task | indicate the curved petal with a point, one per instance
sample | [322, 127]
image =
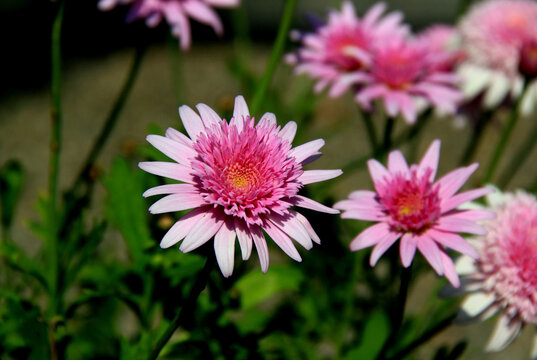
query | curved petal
[171, 189]
[299, 200]
[282, 240]
[224, 248]
[208, 115]
[431, 252]
[430, 160]
[313, 176]
[245, 238]
[304, 151]
[204, 14]
[370, 236]
[450, 183]
[289, 131]
[202, 231]
[449, 270]
[506, 330]
[261, 247]
[407, 248]
[382, 246]
[192, 122]
[240, 112]
[177, 202]
[172, 149]
[170, 170]
[397, 163]
[182, 227]
[453, 241]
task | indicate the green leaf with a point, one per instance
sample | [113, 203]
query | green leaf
[375, 333]
[11, 182]
[127, 209]
[256, 287]
[19, 261]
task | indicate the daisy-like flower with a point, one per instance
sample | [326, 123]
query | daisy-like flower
[241, 179]
[404, 73]
[493, 33]
[176, 13]
[408, 205]
[504, 278]
[338, 51]
[443, 44]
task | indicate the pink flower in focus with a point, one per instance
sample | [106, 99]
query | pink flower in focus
[408, 205]
[403, 72]
[176, 13]
[341, 49]
[504, 278]
[241, 179]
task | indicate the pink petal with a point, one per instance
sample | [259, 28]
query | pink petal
[307, 226]
[293, 228]
[208, 116]
[449, 270]
[430, 160]
[431, 252]
[245, 239]
[313, 176]
[223, 3]
[224, 248]
[364, 196]
[182, 227]
[463, 198]
[172, 149]
[170, 170]
[173, 134]
[370, 236]
[383, 245]
[378, 173]
[282, 240]
[261, 247]
[473, 215]
[192, 122]
[240, 111]
[364, 214]
[407, 248]
[453, 241]
[203, 231]
[267, 120]
[373, 14]
[450, 183]
[299, 200]
[358, 205]
[289, 131]
[397, 163]
[204, 14]
[171, 189]
[176, 202]
[454, 224]
[303, 151]
[179, 22]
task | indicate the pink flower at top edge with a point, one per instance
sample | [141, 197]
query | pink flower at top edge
[504, 278]
[176, 13]
[340, 50]
[409, 206]
[240, 179]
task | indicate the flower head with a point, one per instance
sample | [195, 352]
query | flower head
[176, 13]
[443, 44]
[408, 205]
[339, 50]
[504, 278]
[240, 178]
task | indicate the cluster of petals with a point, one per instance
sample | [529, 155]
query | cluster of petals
[422, 214]
[493, 34]
[240, 179]
[378, 58]
[175, 12]
[504, 277]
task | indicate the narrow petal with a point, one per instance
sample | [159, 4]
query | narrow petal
[282, 241]
[204, 14]
[378, 173]
[173, 134]
[454, 224]
[382, 246]
[449, 270]
[191, 121]
[430, 160]
[504, 333]
[450, 183]
[407, 248]
[299, 200]
[474, 305]
[182, 227]
[208, 115]
[313, 176]
[170, 170]
[361, 195]
[202, 231]
[364, 204]
[370, 236]
[224, 248]
[307, 226]
[172, 149]
[245, 238]
[473, 215]
[289, 131]
[304, 151]
[267, 120]
[431, 252]
[176, 202]
[364, 214]
[240, 112]
[464, 197]
[171, 189]
[223, 3]
[293, 228]
[261, 247]
[453, 241]
[397, 163]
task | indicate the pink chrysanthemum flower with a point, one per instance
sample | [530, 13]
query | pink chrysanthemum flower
[176, 13]
[493, 33]
[504, 278]
[408, 205]
[338, 51]
[241, 179]
[404, 72]
[443, 44]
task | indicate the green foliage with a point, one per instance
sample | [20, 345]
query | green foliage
[375, 333]
[11, 183]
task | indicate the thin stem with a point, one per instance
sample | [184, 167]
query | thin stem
[277, 52]
[504, 138]
[426, 336]
[370, 129]
[475, 138]
[176, 64]
[387, 142]
[187, 307]
[520, 157]
[397, 317]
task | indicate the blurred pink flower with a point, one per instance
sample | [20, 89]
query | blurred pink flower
[404, 72]
[493, 33]
[504, 278]
[443, 43]
[241, 179]
[339, 50]
[176, 13]
[407, 204]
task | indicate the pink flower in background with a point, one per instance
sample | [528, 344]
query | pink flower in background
[423, 214]
[493, 33]
[241, 179]
[443, 43]
[176, 13]
[404, 72]
[504, 278]
[339, 51]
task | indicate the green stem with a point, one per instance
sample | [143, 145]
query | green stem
[187, 307]
[397, 317]
[176, 65]
[426, 336]
[387, 142]
[475, 138]
[520, 157]
[277, 52]
[371, 133]
[507, 131]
